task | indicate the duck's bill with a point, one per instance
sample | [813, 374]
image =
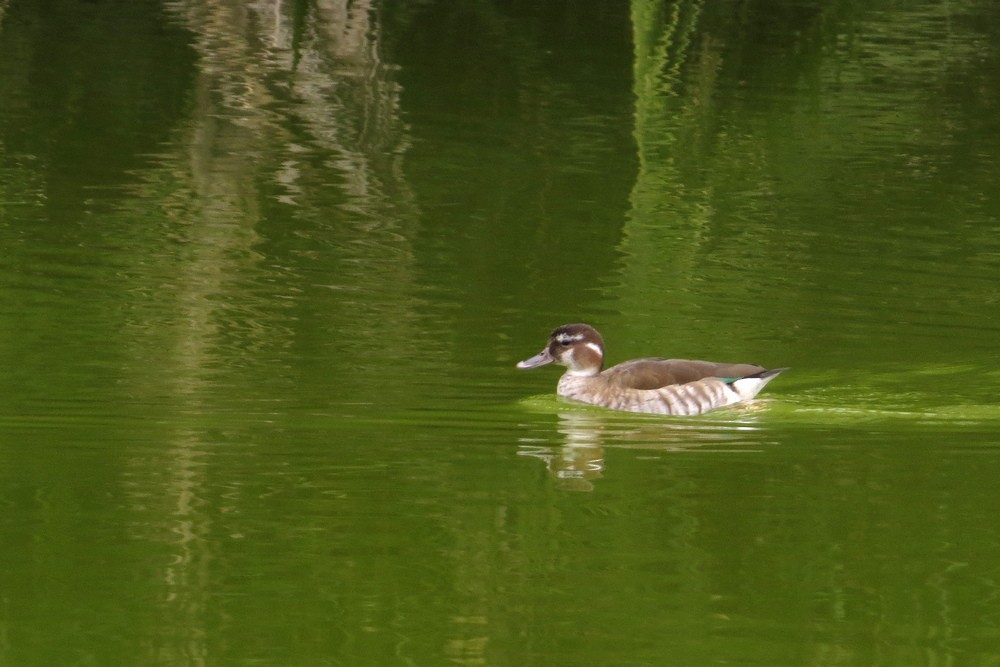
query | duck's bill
[539, 359]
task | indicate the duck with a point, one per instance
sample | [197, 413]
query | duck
[680, 387]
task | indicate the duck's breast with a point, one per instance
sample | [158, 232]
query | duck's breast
[685, 399]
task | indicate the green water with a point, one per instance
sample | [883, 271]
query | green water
[266, 269]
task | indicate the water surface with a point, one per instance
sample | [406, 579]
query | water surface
[267, 270]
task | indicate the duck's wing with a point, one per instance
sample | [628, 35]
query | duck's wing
[656, 373]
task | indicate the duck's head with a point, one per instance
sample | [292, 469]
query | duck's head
[578, 347]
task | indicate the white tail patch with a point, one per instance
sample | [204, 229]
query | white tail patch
[749, 387]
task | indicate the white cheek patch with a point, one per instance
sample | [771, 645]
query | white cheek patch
[595, 347]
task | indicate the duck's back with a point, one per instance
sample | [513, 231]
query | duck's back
[655, 373]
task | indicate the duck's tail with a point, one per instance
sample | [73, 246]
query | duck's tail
[749, 386]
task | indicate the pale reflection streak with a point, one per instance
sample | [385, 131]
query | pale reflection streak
[580, 460]
[665, 227]
[251, 62]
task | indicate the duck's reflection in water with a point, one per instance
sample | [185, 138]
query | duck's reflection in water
[580, 460]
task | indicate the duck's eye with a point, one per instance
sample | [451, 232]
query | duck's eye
[565, 339]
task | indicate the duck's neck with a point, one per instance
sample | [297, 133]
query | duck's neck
[585, 360]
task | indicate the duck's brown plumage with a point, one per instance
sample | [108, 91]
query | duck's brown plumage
[654, 373]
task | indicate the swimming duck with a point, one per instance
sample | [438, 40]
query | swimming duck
[659, 386]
